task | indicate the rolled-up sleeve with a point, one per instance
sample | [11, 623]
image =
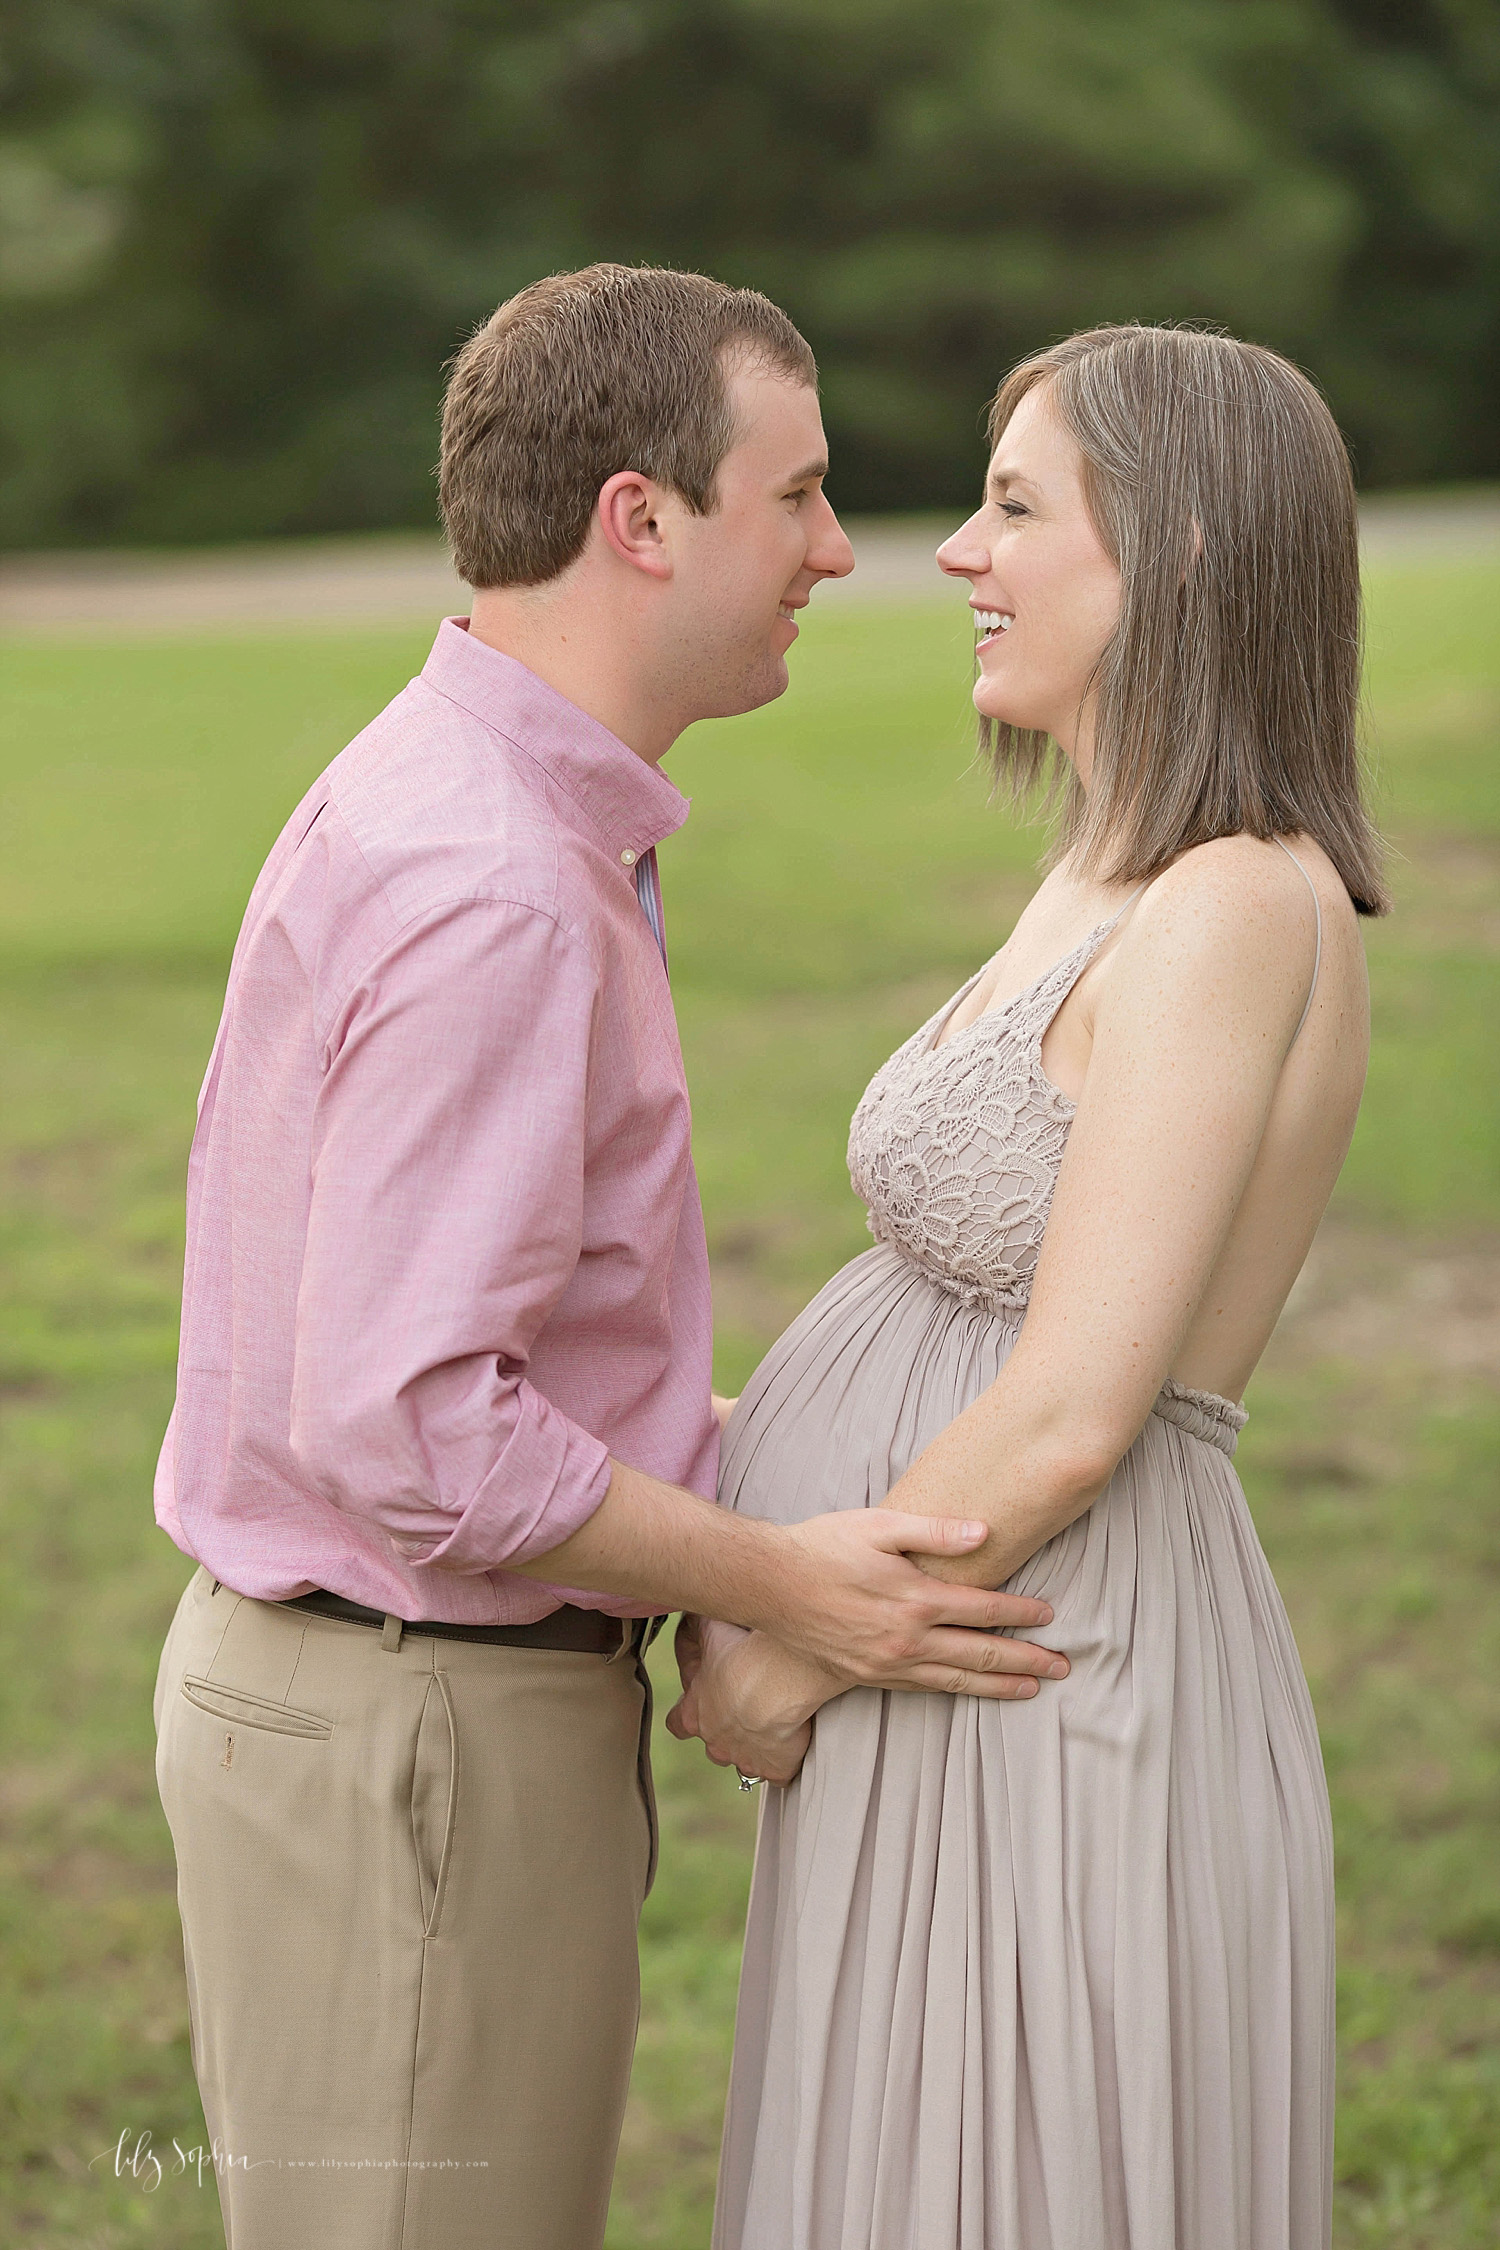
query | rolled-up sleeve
[446, 1182]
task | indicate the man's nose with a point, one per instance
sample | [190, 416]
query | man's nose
[830, 553]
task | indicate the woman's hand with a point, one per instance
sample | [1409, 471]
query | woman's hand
[747, 1699]
[687, 1647]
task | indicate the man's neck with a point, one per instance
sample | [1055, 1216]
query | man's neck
[572, 655]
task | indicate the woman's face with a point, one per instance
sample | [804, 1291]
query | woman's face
[1046, 596]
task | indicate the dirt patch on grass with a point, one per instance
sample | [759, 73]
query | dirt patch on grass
[389, 578]
[1370, 1296]
[1447, 890]
[1374, 1296]
[750, 1298]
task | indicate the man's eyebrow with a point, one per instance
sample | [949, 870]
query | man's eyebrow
[818, 468]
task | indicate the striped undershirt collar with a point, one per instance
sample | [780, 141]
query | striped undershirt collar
[648, 891]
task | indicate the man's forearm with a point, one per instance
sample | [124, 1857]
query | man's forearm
[841, 1589]
[664, 1545]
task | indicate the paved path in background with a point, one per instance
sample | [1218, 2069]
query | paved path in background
[404, 578]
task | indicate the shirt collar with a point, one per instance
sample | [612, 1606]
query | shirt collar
[632, 804]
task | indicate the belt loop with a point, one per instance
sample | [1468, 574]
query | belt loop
[636, 1636]
[630, 1639]
[390, 1637]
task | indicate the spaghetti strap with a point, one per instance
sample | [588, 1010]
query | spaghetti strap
[1138, 893]
[935, 1035]
[1318, 945]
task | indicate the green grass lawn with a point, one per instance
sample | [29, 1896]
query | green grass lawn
[841, 873]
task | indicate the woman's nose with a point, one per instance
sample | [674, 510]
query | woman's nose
[965, 555]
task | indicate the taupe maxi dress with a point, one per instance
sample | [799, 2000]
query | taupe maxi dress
[1050, 1975]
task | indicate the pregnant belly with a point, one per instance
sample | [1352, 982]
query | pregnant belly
[865, 1378]
[883, 1360]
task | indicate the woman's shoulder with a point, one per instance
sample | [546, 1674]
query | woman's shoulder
[1263, 885]
[1239, 910]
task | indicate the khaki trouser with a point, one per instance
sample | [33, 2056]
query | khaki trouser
[409, 1880]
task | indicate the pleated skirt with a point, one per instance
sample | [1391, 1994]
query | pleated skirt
[1052, 1975]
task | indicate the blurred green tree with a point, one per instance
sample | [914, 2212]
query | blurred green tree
[238, 238]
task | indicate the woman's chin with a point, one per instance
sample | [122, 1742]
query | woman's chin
[992, 703]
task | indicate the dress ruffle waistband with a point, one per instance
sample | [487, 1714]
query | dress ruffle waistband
[1203, 1414]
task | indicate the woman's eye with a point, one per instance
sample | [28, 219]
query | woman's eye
[1013, 509]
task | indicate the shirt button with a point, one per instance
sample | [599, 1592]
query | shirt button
[627, 859]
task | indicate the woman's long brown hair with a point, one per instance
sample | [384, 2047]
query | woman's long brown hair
[1226, 700]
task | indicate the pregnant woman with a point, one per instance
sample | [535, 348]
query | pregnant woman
[1055, 1971]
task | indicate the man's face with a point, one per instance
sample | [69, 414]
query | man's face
[741, 572]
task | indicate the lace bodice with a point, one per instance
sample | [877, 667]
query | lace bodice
[955, 1152]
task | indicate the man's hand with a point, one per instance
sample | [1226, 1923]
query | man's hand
[858, 1607]
[751, 1699]
[842, 1590]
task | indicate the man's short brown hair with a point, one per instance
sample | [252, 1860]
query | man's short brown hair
[577, 377]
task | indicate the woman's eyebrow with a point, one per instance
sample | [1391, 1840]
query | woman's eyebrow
[1001, 480]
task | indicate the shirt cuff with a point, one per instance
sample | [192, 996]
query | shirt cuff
[547, 1482]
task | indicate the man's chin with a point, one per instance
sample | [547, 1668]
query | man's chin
[763, 686]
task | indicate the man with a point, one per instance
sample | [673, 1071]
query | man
[443, 1417]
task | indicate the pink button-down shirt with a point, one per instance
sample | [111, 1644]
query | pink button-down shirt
[445, 1252]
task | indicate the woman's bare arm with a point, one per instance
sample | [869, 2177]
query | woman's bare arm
[1191, 1031]
[1190, 1036]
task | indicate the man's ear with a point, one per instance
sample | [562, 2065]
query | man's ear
[629, 516]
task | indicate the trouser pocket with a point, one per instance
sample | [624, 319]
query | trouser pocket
[434, 1798]
[248, 1710]
[643, 1768]
[196, 1629]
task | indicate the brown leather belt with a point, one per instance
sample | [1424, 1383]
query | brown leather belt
[588, 1631]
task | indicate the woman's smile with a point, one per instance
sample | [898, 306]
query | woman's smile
[990, 624]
